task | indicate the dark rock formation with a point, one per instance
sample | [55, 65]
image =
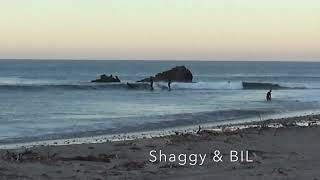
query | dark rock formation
[176, 74]
[106, 79]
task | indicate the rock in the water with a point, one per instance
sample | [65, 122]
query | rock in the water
[104, 78]
[177, 74]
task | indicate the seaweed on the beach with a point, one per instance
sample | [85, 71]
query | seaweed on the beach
[100, 158]
[26, 155]
[29, 156]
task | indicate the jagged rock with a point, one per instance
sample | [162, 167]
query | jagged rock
[104, 78]
[177, 74]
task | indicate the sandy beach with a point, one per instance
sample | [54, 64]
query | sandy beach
[285, 148]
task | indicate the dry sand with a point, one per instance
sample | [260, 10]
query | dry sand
[289, 150]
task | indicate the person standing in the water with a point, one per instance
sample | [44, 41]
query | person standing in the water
[151, 83]
[268, 96]
[169, 84]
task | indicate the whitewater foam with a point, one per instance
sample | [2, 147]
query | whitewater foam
[208, 85]
[35, 84]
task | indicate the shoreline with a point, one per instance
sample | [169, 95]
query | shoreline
[271, 145]
[216, 126]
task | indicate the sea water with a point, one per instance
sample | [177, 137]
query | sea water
[52, 99]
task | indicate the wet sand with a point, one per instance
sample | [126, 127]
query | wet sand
[287, 148]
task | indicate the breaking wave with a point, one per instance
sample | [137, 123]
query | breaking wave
[19, 84]
[235, 85]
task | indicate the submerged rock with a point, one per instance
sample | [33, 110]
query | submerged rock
[177, 74]
[104, 78]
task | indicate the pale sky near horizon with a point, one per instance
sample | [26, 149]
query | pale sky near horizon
[160, 29]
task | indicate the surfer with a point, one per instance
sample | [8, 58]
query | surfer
[268, 96]
[151, 83]
[169, 84]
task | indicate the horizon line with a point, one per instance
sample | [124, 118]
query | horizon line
[191, 60]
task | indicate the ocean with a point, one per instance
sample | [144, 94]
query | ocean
[54, 99]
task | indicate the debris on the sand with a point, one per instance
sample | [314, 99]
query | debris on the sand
[99, 158]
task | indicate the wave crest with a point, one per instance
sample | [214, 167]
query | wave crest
[13, 84]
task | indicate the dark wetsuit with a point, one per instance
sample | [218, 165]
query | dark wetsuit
[268, 96]
[151, 83]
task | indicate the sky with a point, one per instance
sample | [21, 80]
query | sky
[160, 29]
